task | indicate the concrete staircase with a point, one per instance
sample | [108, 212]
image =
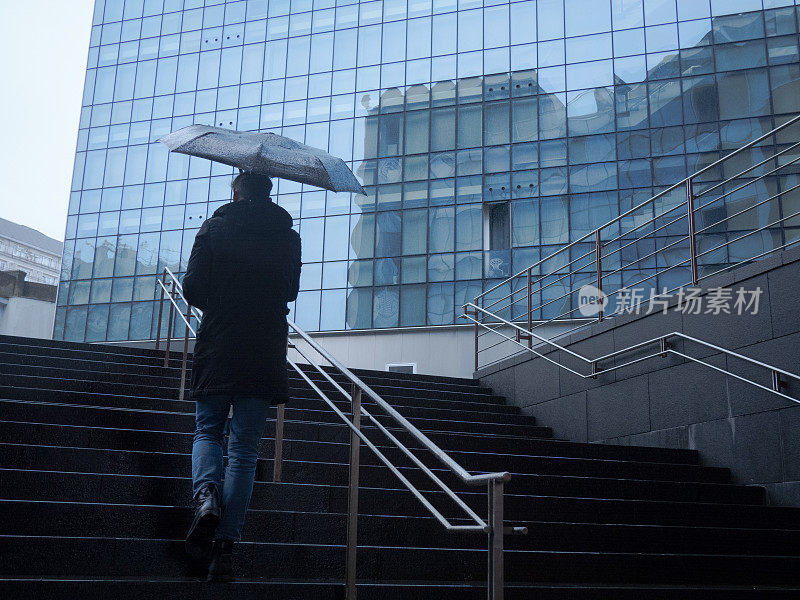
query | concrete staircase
[94, 488]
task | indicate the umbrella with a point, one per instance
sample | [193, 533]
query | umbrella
[266, 153]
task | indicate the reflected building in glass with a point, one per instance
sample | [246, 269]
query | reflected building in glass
[488, 134]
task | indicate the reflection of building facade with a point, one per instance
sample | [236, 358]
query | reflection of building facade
[486, 137]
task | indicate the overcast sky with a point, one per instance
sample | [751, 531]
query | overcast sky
[43, 50]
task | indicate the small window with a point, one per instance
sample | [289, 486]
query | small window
[497, 226]
[401, 367]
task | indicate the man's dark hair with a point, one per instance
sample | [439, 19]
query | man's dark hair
[252, 186]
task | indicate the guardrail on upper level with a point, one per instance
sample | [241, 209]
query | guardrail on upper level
[657, 246]
[172, 290]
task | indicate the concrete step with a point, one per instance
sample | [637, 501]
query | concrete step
[320, 447]
[94, 464]
[167, 387]
[70, 519]
[115, 557]
[302, 396]
[258, 589]
[172, 374]
[141, 356]
[176, 491]
[126, 418]
[91, 460]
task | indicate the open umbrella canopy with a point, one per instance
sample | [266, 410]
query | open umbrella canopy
[266, 153]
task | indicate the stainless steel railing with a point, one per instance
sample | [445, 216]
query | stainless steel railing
[657, 243]
[171, 290]
[778, 378]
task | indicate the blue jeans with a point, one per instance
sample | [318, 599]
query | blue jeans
[247, 427]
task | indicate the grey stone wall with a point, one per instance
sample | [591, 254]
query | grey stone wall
[675, 402]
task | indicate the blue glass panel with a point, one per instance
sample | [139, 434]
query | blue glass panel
[97, 323]
[627, 13]
[743, 94]
[307, 310]
[469, 227]
[780, 21]
[386, 307]
[588, 16]
[445, 26]
[589, 47]
[333, 310]
[693, 9]
[105, 252]
[412, 305]
[785, 84]
[694, 33]
[83, 261]
[311, 232]
[75, 327]
[311, 276]
[336, 238]
[441, 229]
[591, 74]
[440, 303]
[359, 308]
[387, 234]
[741, 55]
[660, 38]
[523, 22]
[660, 11]
[141, 321]
[738, 27]
[441, 267]
[782, 50]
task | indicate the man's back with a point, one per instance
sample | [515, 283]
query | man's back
[244, 269]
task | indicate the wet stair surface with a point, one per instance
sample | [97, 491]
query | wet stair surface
[94, 489]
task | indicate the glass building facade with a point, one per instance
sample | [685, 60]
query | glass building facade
[487, 133]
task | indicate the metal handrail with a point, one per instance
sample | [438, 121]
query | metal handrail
[661, 194]
[540, 276]
[664, 349]
[492, 526]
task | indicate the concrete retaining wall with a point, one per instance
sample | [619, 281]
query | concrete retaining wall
[673, 402]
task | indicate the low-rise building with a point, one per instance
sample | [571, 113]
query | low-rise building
[31, 251]
[27, 308]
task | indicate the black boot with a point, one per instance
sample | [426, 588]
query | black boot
[221, 568]
[206, 517]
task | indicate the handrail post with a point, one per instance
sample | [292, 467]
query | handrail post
[277, 463]
[352, 498]
[185, 351]
[169, 324]
[692, 237]
[495, 581]
[530, 305]
[598, 249]
[777, 384]
[160, 308]
[477, 327]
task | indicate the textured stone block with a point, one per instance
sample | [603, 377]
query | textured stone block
[618, 409]
[686, 394]
[566, 416]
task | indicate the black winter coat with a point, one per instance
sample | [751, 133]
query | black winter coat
[243, 270]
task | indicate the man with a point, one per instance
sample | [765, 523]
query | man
[243, 270]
